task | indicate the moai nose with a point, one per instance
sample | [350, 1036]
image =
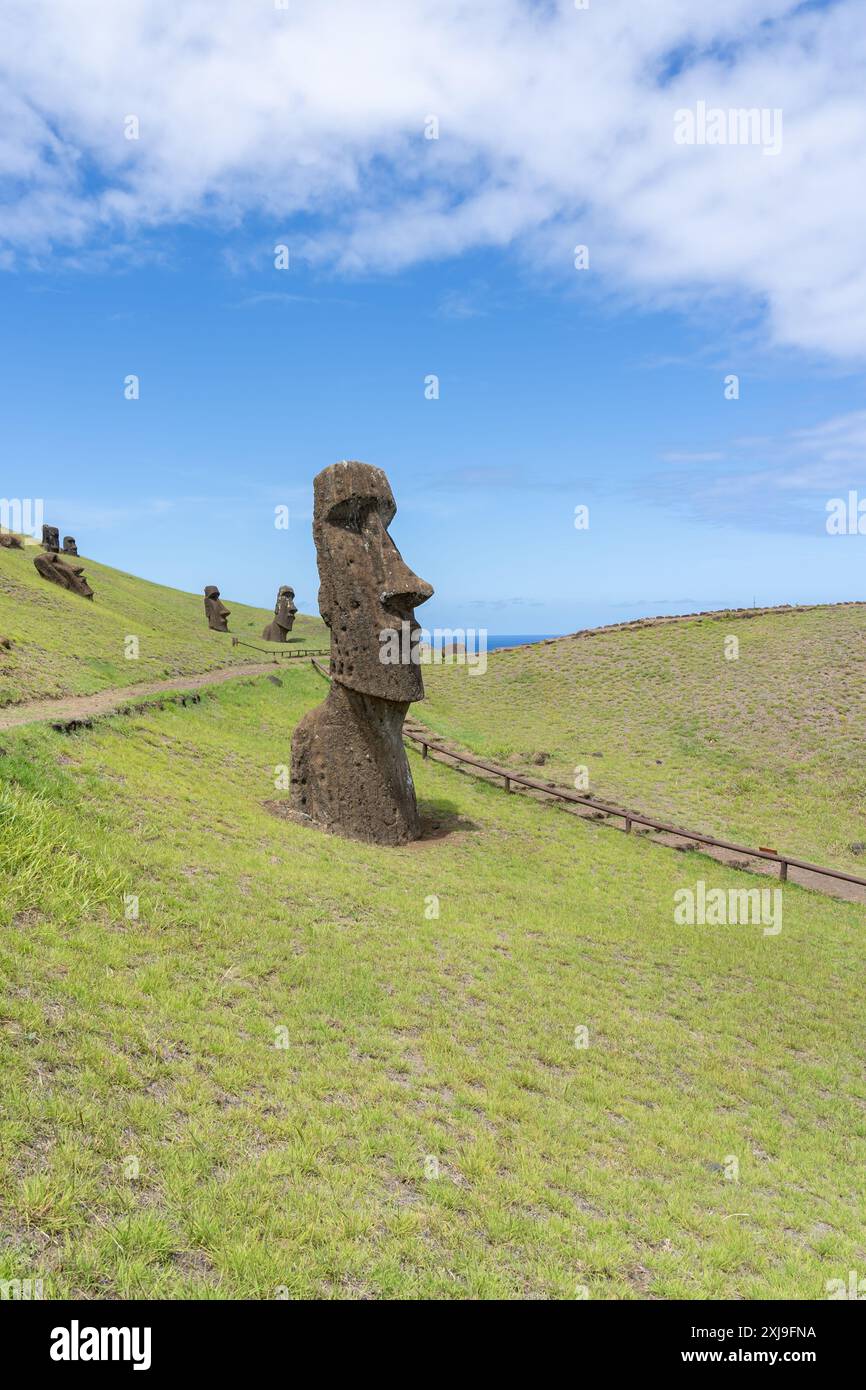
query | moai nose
[403, 585]
[400, 584]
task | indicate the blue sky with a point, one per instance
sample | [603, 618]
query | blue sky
[558, 387]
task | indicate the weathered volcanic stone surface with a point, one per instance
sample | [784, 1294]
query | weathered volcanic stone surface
[217, 613]
[71, 577]
[284, 616]
[350, 773]
[51, 539]
[69, 546]
[10, 541]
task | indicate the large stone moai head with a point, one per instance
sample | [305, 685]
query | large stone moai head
[51, 539]
[366, 588]
[217, 613]
[283, 620]
[71, 577]
[285, 609]
[69, 546]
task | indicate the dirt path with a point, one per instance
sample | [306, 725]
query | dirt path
[104, 701]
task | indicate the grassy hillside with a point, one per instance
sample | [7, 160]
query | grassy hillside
[66, 645]
[288, 1076]
[769, 748]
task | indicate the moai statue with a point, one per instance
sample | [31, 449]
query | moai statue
[217, 613]
[284, 616]
[10, 541]
[69, 546]
[71, 577]
[350, 773]
[51, 539]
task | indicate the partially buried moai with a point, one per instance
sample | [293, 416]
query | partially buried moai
[217, 613]
[50, 539]
[284, 616]
[69, 545]
[350, 773]
[71, 577]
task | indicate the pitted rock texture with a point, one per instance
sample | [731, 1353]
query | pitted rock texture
[71, 577]
[217, 613]
[350, 773]
[284, 616]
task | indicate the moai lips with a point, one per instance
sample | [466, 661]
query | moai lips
[284, 616]
[350, 773]
[217, 613]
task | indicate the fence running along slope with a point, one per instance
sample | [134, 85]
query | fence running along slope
[510, 779]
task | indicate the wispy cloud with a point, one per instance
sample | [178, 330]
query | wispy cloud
[470, 303]
[279, 297]
[767, 484]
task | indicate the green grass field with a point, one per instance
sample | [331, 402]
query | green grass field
[289, 1077]
[769, 749]
[66, 645]
[241, 1059]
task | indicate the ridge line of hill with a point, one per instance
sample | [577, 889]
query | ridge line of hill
[664, 620]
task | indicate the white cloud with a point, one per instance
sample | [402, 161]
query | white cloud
[556, 127]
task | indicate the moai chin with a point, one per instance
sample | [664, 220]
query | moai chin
[217, 613]
[51, 539]
[69, 545]
[350, 773]
[284, 616]
[70, 577]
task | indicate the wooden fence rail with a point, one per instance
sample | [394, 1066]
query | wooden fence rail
[269, 651]
[629, 817]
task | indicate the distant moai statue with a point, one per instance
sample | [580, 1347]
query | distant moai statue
[69, 546]
[71, 577]
[217, 613]
[350, 773]
[284, 616]
[51, 539]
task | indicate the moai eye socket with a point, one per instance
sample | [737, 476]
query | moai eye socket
[352, 514]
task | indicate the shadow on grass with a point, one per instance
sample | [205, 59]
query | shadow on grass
[440, 819]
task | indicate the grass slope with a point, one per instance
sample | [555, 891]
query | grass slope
[249, 1090]
[769, 749]
[66, 645]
